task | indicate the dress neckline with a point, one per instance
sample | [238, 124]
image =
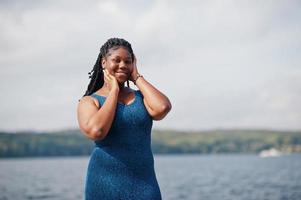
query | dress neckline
[120, 103]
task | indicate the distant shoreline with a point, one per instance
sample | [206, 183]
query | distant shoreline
[72, 142]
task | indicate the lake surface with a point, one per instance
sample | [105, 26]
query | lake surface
[210, 177]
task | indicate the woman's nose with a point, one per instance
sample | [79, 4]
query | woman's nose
[122, 65]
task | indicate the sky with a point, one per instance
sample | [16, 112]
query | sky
[223, 64]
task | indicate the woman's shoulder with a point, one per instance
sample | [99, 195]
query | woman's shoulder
[89, 100]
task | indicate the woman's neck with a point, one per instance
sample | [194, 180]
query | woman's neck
[121, 88]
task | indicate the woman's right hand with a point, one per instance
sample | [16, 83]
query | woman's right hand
[110, 81]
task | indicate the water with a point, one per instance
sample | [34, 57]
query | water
[246, 177]
[210, 177]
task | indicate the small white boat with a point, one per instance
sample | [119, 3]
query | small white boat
[270, 153]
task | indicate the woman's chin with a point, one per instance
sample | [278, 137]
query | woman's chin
[121, 80]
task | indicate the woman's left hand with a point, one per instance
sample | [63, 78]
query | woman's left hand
[135, 70]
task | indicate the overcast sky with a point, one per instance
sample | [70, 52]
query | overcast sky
[223, 64]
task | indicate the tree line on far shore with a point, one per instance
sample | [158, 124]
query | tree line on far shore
[74, 143]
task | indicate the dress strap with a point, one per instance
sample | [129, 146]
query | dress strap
[138, 92]
[99, 98]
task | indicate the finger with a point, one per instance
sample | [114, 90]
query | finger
[111, 76]
[105, 71]
[106, 77]
[106, 80]
[107, 74]
[135, 62]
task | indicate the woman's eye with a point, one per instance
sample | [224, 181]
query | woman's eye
[116, 60]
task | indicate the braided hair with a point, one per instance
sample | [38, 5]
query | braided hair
[96, 74]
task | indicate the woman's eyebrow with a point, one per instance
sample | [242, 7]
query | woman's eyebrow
[116, 56]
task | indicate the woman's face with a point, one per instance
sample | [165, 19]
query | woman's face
[119, 63]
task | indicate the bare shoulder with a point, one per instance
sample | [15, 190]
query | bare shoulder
[88, 101]
[87, 107]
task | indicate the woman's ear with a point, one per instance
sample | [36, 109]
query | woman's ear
[103, 62]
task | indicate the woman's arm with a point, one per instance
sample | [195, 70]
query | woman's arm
[96, 122]
[156, 103]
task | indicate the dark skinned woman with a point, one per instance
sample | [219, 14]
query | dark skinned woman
[119, 120]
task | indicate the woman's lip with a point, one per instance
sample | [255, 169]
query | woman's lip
[121, 73]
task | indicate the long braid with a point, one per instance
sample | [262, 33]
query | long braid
[96, 74]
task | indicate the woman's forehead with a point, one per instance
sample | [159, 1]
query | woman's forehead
[118, 51]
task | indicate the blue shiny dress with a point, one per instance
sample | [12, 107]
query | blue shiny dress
[121, 166]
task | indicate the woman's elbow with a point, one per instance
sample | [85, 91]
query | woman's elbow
[166, 108]
[94, 133]
[97, 133]
[162, 112]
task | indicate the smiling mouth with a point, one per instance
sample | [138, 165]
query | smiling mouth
[122, 73]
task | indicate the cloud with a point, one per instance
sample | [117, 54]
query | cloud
[222, 64]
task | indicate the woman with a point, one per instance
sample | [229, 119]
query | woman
[119, 120]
